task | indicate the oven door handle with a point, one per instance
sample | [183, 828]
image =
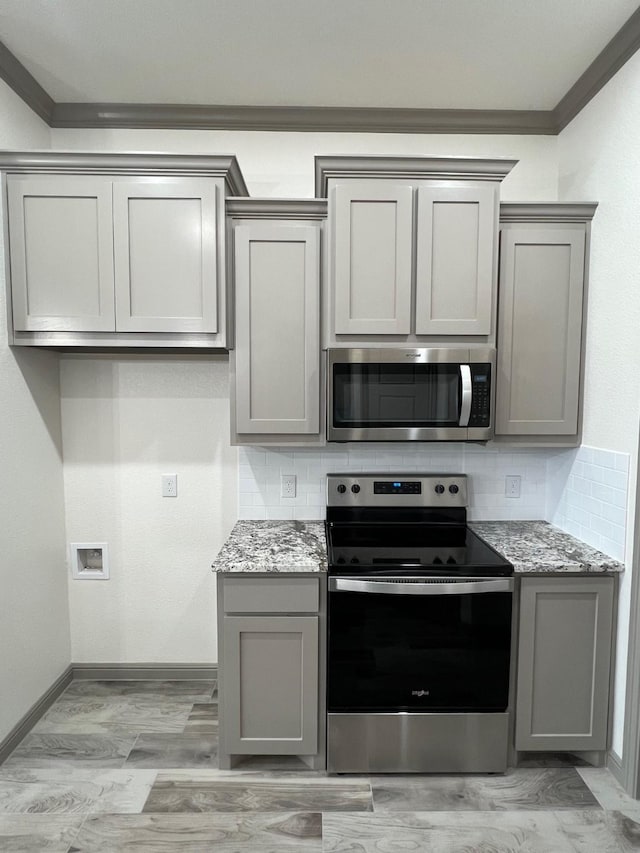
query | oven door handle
[467, 394]
[441, 586]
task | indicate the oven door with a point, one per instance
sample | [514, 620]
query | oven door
[419, 644]
[408, 394]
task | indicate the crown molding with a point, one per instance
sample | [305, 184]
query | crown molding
[610, 60]
[547, 211]
[302, 119]
[278, 208]
[24, 84]
[78, 163]
[415, 168]
[326, 119]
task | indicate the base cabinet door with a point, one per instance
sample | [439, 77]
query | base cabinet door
[563, 663]
[270, 696]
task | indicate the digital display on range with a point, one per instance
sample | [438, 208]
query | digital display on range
[397, 487]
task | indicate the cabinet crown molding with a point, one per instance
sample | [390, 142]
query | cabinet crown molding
[416, 168]
[546, 211]
[79, 163]
[276, 208]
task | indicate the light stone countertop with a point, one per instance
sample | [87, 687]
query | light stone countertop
[537, 546]
[274, 546]
[299, 546]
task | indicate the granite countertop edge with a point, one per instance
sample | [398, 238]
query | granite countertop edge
[533, 547]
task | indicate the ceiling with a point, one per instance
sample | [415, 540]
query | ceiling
[426, 54]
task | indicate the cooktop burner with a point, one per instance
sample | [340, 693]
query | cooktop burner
[381, 524]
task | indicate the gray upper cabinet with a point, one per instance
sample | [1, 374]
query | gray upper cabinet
[372, 245]
[455, 265]
[540, 327]
[564, 658]
[276, 361]
[118, 250]
[413, 248]
[166, 269]
[61, 253]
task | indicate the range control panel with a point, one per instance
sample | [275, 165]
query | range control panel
[382, 489]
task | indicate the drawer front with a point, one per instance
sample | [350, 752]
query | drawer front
[272, 594]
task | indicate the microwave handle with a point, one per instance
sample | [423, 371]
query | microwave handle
[467, 392]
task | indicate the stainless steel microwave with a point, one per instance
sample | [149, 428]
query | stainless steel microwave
[410, 394]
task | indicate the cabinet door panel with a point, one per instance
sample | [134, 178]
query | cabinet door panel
[454, 267]
[61, 253]
[563, 663]
[270, 691]
[165, 256]
[372, 241]
[540, 331]
[277, 328]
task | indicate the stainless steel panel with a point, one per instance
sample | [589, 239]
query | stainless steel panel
[365, 496]
[419, 355]
[417, 743]
[421, 586]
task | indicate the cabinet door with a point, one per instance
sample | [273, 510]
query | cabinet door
[539, 331]
[457, 233]
[166, 256]
[277, 269]
[372, 240]
[563, 663]
[270, 694]
[61, 254]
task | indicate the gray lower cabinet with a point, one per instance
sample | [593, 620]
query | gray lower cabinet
[276, 364]
[269, 666]
[542, 290]
[564, 659]
[130, 255]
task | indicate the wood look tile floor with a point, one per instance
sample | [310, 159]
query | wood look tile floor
[131, 766]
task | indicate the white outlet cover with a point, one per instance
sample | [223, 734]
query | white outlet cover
[288, 485]
[89, 560]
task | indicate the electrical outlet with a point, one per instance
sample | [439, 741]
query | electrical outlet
[512, 486]
[287, 485]
[169, 485]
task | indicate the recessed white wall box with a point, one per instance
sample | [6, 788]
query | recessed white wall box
[89, 560]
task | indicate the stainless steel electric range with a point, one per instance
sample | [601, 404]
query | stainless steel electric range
[419, 629]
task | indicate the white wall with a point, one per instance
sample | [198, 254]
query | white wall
[598, 160]
[126, 421]
[281, 165]
[34, 619]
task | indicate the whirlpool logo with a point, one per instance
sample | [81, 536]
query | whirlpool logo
[419, 692]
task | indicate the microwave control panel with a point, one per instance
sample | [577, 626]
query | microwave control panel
[480, 415]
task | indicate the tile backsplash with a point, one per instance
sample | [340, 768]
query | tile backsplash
[260, 470]
[582, 491]
[592, 503]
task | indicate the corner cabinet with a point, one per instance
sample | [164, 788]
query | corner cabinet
[270, 636]
[564, 663]
[131, 255]
[275, 364]
[542, 304]
[412, 248]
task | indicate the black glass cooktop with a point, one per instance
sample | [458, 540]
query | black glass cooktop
[410, 549]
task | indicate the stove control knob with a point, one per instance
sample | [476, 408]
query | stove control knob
[454, 489]
[355, 560]
[342, 488]
[439, 489]
[355, 488]
[341, 560]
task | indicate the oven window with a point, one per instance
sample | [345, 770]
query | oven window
[392, 653]
[396, 395]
